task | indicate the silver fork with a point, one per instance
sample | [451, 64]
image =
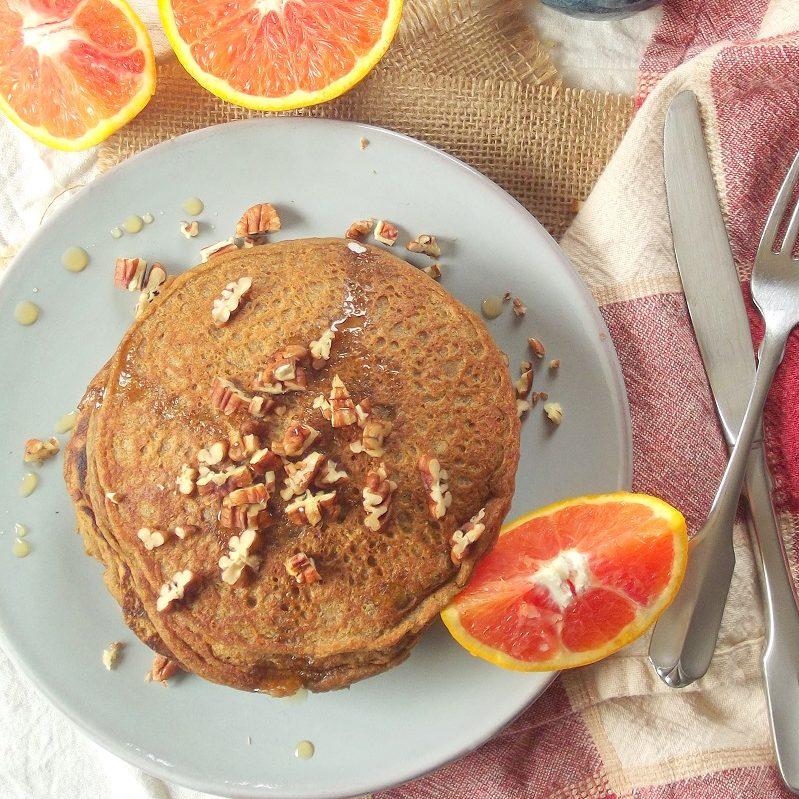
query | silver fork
[775, 291]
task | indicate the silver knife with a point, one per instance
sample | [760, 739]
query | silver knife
[685, 637]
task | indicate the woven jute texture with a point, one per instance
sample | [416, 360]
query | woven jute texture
[468, 77]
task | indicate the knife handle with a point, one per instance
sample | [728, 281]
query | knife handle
[684, 638]
[781, 609]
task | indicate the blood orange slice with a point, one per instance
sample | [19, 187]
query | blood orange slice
[572, 583]
[274, 55]
[73, 71]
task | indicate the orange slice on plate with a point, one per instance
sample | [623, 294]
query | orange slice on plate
[572, 583]
[274, 55]
[73, 71]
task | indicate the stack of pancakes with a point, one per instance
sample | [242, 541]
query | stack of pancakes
[430, 372]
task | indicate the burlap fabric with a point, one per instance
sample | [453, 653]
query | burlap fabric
[468, 77]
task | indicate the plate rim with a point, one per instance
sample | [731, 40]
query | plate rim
[246, 790]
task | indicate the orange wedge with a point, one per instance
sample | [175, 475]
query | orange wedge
[73, 71]
[274, 55]
[572, 583]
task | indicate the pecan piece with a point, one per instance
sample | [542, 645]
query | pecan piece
[129, 273]
[156, 281]
[525, 382]
[302, 568]
[312, 508]
[425, 243]
[386, 232]
[359, 229]
[320, 349]
[249, 495]
[435, 482]
[296, 440]
[301, 475]
[162, 669]
[465, 536]
[190, 229]
[377, 498]
[373, 436]
[185, 480]
[38, 451]
[228, 302]
[175, 589]
[257, 220]
[238, 557]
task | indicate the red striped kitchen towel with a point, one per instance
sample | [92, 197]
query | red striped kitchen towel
[612, 730]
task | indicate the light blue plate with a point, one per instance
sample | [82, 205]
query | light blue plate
[55, 614]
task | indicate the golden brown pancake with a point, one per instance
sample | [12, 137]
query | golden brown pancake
[425, 363]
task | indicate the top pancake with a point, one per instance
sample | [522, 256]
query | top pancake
[424, 361]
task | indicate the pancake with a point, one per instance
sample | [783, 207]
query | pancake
[415, 361]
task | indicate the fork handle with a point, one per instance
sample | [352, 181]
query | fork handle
[780, 663]
[725, 504]
[684, 637]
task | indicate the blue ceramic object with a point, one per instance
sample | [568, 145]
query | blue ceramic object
[600, 9]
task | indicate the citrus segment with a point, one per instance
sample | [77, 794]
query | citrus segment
[274, 55]
[571, 583]
[73, 71]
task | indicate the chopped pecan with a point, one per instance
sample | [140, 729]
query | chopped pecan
[338, 409]
[554, 412]
[230, 299]
[228, 398]
[296, 440]
[244, 517]
[554, 364]
[186, 531]
[129, 273]
[260, 406]
[174, 589]
[213, 454]
[264, 460]
[386, 232]
[359, 229]
[465, 536]
[373, 436]
[329, 475]
[185, 479]
[519, 308]
[111, 654]
[257, 220]
[434, 271]
[238, 557]
[312, 508]
[190, 229]
[320, 349]
[242, 447]
[536, 347]
[162, 669]
[285, 371]
[302, 568]
[525, 382]
[227, 245]
[151, 538]
[435, 479]
[301, 475]
[38, 451]
[377, 498]
[156, 282]
[249, 495]
[425, 243]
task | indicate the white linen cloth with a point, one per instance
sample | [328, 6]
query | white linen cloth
[42, 755]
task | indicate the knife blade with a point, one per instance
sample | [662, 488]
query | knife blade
[718, 314]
